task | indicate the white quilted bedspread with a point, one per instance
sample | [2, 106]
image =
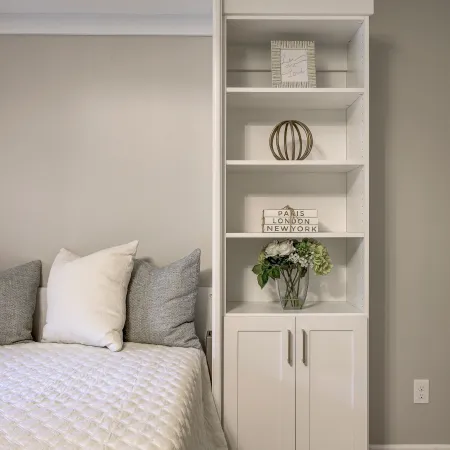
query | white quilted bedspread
[60, 396]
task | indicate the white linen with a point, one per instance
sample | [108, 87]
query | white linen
[87, 297]
[59, 396]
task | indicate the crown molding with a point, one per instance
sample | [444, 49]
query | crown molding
[141, 7]
[106, 24]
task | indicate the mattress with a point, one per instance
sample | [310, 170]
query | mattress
[61, 396]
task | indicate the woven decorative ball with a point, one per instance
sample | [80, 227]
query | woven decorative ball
[293, 138]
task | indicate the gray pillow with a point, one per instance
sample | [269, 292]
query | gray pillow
[161, 303]
[18, 292]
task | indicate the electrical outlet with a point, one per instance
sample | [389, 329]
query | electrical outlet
[421, 391]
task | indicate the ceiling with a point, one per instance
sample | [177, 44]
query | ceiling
[138, 7]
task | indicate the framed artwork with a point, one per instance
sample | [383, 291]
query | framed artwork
[293, 64]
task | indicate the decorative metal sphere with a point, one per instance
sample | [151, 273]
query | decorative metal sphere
[294, 129]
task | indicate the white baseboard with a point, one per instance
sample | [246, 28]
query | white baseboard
[411, 447]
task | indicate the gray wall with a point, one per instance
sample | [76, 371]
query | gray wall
[410, 220]
[104, 140]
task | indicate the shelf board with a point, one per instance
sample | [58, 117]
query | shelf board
[245, 166]
[294, 235]
[274, 308]
[299, 98]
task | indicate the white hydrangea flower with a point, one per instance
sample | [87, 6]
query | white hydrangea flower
[294, 258]
[303, 262]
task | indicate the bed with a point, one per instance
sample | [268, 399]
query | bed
[69, 396]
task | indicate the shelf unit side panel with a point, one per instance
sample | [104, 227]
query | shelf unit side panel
[356, 204]
[356, 128]
[367, 167]
[356, 273]
[358, 180]
[356, 59]
[224, 153]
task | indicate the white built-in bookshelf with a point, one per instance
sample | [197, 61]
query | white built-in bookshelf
[334, 179]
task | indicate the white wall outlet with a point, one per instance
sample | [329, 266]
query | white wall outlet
[421, 391]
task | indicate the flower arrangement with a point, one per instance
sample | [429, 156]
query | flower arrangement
[290, 262]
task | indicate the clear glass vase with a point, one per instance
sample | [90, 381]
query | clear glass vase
[292, 288]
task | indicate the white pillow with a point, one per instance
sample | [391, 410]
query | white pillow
[86, 297]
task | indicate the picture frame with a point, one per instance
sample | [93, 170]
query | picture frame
[293, 64]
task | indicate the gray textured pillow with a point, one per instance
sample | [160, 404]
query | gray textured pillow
[18, 292]
[161, 303]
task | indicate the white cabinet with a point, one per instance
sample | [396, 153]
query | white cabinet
[259, 383]
[295, 382]
[331, 383]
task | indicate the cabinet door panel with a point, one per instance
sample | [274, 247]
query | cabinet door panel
[259, 383]
[332, 387]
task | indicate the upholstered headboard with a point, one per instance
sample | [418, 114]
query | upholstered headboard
[202, 313]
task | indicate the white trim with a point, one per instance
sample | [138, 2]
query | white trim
[411, 447]
[217, 208]
[106, 24]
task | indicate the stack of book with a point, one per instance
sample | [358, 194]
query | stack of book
[290, 221]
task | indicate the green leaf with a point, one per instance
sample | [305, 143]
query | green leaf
[261, 281]
[261, 257]
[265, 277]
[275, 273]
[257, 269]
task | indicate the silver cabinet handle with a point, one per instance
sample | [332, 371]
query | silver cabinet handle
[305, 347]
[288, 338]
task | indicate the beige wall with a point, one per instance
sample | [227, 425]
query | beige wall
[410, 222]
[104, 140]
[109, 130]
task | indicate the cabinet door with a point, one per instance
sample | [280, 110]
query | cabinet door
[259, 383]
[331, 383]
